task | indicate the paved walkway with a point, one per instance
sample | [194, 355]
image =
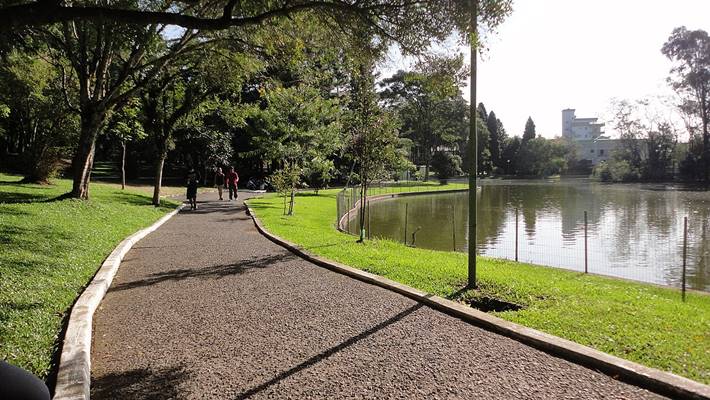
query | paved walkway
[206, 307]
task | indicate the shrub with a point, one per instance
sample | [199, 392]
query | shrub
[446, 165]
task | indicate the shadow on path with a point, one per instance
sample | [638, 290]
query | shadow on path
[140, 384]
[327, 353]
[214, 271]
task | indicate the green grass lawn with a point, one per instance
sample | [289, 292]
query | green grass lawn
[50, 250]
[643, 323]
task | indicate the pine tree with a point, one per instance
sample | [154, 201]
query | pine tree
[494, 138]
[482, 113]
[529, 130]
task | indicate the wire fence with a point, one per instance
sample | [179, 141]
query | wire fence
[676, 254]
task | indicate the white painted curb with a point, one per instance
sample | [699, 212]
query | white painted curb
[74, 376]
[664, 383]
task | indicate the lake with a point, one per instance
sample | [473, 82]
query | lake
[634, 231]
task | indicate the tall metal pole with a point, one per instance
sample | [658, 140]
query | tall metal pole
[472, 149]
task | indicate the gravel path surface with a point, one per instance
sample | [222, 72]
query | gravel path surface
[206, 307]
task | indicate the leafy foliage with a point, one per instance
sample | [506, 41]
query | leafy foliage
[690, 77]
[446, 165]
[429, 104]
[36, 123]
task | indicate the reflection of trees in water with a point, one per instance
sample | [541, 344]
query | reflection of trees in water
[661, 212]
[636, 230]
[622, 213]
[698, 261]
[492, 213]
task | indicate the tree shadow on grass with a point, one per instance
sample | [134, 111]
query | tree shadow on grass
[133, 198]
[328, 353]
[139, 384]
[210, 272]
[14, 238]
[25, 198]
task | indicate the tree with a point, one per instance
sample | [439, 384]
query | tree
[297, 126]
[427, 102]
[446, 165]
[648, 141]
[179, 95]
[542, 157]
[529, 130]
[284, 181]
[494, 132]
[126, 126]
[374, 135]
[482, 113]
[37, 126]
[661, 144]
[412, 23]
[690, 77]
[511, 153]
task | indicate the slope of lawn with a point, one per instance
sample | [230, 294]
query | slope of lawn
[643, 323]
[50, 249]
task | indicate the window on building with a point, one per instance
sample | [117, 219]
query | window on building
[601, 152]
[591, 151]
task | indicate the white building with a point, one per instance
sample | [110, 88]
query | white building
[588, 135]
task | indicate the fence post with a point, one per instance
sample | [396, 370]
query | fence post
[453, 225]
[586, 261]
[406, 211]
[348, 225]
[685, 250]
[516, 235]
[369, 227]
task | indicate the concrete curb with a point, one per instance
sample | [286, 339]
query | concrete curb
[74, 375]
[655, 380]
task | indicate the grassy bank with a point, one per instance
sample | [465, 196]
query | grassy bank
[638, 322]
[50, 250]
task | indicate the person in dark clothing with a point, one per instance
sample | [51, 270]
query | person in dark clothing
[232, 181]
[18, 384]
[192, 180]
[219, 181]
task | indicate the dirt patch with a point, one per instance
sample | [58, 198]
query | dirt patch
[490, 304]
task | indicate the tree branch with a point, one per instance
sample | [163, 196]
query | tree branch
[41, 13]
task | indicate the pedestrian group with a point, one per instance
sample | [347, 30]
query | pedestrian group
[222, 181]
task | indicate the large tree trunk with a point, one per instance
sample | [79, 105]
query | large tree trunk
[91, 121]
[123, 164]
[158, 178]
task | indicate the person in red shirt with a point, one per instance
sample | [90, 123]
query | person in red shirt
[231, 181]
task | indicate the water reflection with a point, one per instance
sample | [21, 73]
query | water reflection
[634, 231]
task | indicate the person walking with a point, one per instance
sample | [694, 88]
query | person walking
[232, 181]
[219, 181]
[192, 180]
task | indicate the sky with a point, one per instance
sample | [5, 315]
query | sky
[555, 54]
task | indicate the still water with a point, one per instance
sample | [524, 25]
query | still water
[633, 231]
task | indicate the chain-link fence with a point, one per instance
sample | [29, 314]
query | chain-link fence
[666, 250]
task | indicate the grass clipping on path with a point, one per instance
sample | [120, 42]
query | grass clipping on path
[50, 251]
[638, 322]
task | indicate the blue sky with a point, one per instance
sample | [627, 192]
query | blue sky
[555, 54]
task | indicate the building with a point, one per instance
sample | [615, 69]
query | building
[588, 136]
